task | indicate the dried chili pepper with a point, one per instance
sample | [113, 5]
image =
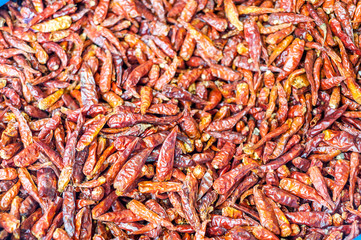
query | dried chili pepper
[124, 119]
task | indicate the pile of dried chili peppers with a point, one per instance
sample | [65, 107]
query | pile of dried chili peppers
[180, 119]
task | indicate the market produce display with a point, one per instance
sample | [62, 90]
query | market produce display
[180, 119]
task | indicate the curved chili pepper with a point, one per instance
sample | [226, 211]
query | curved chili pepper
[130, 170]
[25, 131]
[91, 133]
[302, 190]
[188, 197]
[290, 155]
[27, 156]
[222, 158]
[267, 215]
[293, 58]
[69, 156]
[166, 157]
[312, 219]
[178, 93]
[285, 226]
[346, 39]
[319, 183]
[211, 51]
[227, 223]
[324, 123]
[261, 233]
[226, 181]
[139, 209]
[280, 196]
[342, 172]
[232, 14]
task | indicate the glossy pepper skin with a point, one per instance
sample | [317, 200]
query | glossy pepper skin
[199, 119]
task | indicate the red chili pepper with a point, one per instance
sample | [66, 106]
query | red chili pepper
[211, 122]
